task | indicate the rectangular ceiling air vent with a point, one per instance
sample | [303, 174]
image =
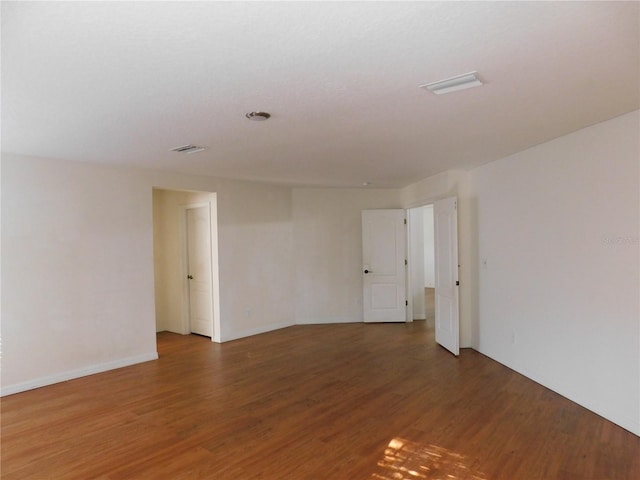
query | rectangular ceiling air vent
[453, 84]
[188, 149]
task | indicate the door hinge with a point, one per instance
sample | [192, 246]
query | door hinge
[405, 262]
[405, 221]
[457, 283]
[406, 302]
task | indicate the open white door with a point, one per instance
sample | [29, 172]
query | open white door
[383, 265]
[445, 215]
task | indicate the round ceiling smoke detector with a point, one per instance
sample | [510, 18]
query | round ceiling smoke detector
[258, 116]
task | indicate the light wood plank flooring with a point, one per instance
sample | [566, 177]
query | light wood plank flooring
[310, 402]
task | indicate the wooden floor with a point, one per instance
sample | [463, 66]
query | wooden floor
[349, 401]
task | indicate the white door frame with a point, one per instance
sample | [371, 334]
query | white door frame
[211, 206]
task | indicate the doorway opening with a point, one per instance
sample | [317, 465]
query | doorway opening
[185, 239]
[422, 264]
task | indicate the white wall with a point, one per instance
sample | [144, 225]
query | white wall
[255, 235]
[328, 246]
[429, 247]
[328, 251]
[77, 271]
[78, 267]
[255, 241]
[558, 225]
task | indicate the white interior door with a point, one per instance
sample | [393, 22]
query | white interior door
[199, 270]
[383, 265]
[445, 214]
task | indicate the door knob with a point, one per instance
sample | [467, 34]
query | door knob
[190, 277]
[366, 271]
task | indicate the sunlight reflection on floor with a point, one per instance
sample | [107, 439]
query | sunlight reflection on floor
[408, 460]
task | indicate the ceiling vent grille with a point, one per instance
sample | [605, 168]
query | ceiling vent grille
[468, 80]
[188, 149]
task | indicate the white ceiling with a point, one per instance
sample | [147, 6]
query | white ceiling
[123, 82]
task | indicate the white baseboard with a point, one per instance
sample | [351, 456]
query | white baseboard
[71, 374]
[327, 320]
[254, 331]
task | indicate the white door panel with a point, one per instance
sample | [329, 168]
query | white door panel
[446, 273]
[384, 296]
[199, 270]
[383, 256]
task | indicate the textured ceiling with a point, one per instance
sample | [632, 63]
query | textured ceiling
[123, 82]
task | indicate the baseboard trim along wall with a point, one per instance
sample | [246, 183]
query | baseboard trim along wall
[72, 374]
[255, 331]
[328, 320]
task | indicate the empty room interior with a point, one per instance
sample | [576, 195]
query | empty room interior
[320, 240]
